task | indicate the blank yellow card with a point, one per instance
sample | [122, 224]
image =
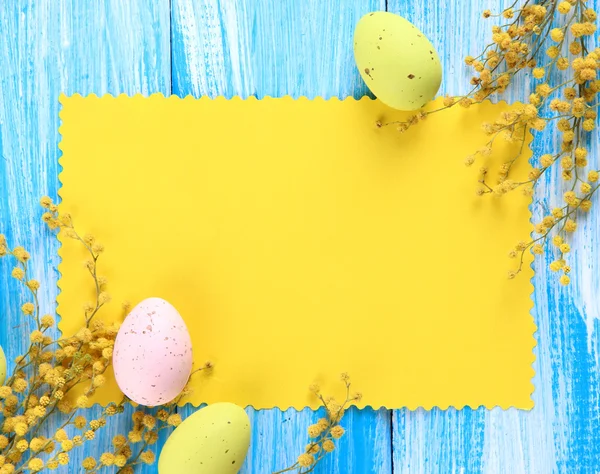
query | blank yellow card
[299, 241]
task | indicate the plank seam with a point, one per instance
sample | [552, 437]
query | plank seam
[171, 47]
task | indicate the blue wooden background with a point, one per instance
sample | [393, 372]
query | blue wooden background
[296, 47]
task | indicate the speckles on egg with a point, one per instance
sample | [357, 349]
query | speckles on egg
[153, 353]
[408, 69]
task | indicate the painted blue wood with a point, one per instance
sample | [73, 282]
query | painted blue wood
[48, 47]
[260, 47]
[561, 434]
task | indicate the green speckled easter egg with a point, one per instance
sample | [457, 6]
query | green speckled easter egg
[214, 440]
[396, 60]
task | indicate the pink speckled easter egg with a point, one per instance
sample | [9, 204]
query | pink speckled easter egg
[152, 356]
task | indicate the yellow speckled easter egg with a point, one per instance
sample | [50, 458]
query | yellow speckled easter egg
[214, 440]
[396, 60]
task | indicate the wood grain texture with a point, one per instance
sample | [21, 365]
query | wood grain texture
[48, 47]
[289, 47]
[561, 434]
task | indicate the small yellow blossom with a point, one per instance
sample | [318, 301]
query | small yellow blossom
[465, 102]
[312, 448]
[570, 198]
[137, 417]
[552, 52]
[546, 160]
[46, 202]
[328, 446]
[61, 435]
[21, 429]
[21, 254]
[107, 459]
[88, 463]
[35, 465]
[557, 241]
[575, 49]
[80, 422]
[63, 459]
[306, 460]
[337, 432]
[560, 106]
[566, 162]
[589, 125]
[568, 136]
[82, 401]
[580, 153]
[448, 101]
[19, 385]
[314, 431]
[135, 436]
[538, 72]
[323, 423]
[565, 248]
[50, 447]
[99, 380]
[36, 336]
[45, 400]
[534, 99]
[67, 445]
[84, 335]
[28, 308]
[557, 34]
[147, 457]
[564, 7]
[36, 444]
[103, 298]
[22, 445]
[593, 176]
[120, 460]
[47, 321]
[569, 93]
[150, 437]
[149, 421]
[89, 435]
[33, 285]
[174, 420]
[538, 249]
[565, 280]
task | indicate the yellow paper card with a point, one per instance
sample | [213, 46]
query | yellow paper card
[299, 241]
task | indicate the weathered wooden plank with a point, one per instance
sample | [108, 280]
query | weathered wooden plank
[260, 47]
[561, 434]
[48, 47]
